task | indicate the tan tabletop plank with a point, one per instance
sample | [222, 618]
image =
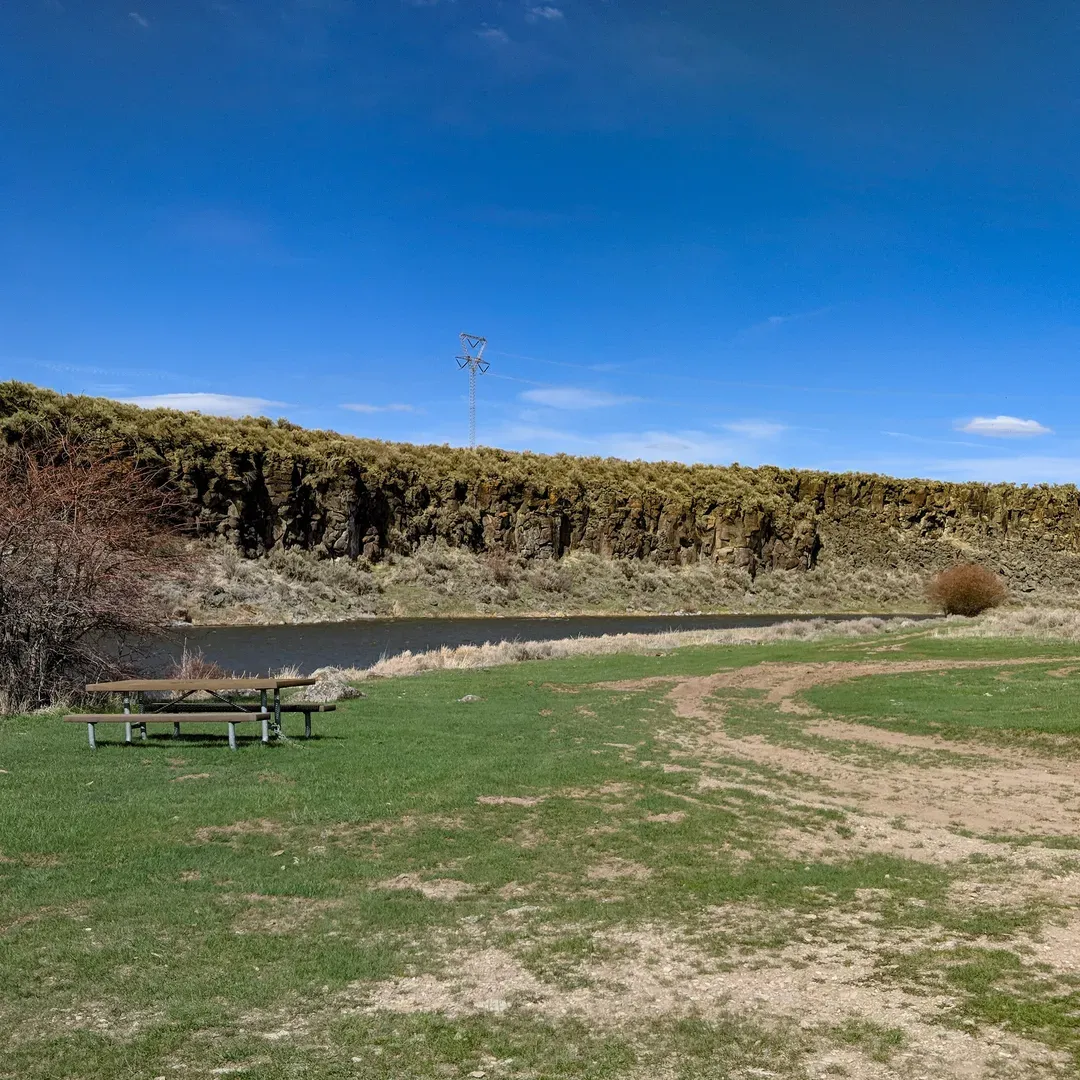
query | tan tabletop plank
[253, 683]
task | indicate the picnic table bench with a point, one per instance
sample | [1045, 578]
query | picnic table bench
[220, 710]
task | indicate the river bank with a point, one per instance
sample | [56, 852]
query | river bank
[364, 644]
[294, 587]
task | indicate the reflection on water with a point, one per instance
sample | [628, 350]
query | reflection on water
[264, 649]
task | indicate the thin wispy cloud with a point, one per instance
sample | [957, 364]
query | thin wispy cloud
[689, 446]
[1026, 469]
[1004, 427]
[364, 407]
[139, 20]
[210, 404]
[933, 441]
[754, 429]
[574, 397]
[91, 369]
[492, 35]
[774, 322]
[544, 13]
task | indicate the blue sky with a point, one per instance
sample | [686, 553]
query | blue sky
[835, 235]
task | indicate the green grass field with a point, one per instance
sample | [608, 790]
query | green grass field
[721, 862]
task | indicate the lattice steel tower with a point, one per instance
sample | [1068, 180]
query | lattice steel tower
[473, 349]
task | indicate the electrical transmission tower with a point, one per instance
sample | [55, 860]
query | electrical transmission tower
[473, 349]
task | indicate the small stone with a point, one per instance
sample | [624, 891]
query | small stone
[463, 700]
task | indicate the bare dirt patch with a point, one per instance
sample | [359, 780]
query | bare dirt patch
[667, 819]
[601, 792]
[432, 888]
[654, 972]
[190, 776]
[510, 800]
[615, 869]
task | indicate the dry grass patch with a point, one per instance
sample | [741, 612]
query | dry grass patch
[431, 888]
[616, 869]
[510, 800]
[265, 914]
[228, 834]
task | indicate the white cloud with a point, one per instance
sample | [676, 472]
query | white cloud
[754, 429]
[688, 446]
[362, 407]
[493, 36]
[140, 19]
[691, 447]
[1004, 427]
[211, 404]
[544, 12]
[573, 397]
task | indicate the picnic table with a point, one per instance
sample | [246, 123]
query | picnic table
[177, 710]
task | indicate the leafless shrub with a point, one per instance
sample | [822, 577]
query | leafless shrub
[504, 568]
[83, 536]
[193, 665]
[967, 589]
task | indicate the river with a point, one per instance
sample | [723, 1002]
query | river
[261, 649]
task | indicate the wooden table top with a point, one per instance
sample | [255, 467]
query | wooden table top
[255, 682]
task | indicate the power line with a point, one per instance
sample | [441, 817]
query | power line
[473, 347]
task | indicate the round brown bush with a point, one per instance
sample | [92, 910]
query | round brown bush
[967, 589]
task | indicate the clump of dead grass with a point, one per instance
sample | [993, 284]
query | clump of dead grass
[1053, 624]
[498, 653]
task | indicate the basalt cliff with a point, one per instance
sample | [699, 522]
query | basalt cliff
[263, 486]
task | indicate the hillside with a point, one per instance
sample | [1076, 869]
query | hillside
[370, 526]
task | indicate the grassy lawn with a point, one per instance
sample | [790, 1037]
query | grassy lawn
[662, 866]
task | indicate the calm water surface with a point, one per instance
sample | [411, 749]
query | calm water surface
[262, 649]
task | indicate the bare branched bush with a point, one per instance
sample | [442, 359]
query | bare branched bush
[193, 665]
[83, 538]
[967, 589]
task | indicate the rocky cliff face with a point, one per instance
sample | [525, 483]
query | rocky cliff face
[265, 486]
[801, 517]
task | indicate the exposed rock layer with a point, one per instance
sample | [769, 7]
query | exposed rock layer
[265, 485]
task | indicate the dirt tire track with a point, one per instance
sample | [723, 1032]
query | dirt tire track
[1015, 794]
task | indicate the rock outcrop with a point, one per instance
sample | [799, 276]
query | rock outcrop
[263, 485]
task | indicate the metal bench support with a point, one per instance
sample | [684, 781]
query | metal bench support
[232, 736]
[93, 741]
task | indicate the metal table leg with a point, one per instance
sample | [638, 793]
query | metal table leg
[266, 722]
[127, 712]
[277, 712]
